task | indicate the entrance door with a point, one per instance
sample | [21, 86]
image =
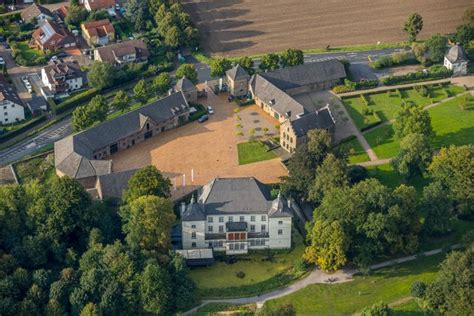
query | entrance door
[113, 148]
[148, 134]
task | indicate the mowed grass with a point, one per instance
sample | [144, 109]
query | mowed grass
[387, 285]
[410, 308]
[385, 105]
[452, 125]
[223, 275]
[29, 54]
[254, 151]
[389, 177]
[356, 152]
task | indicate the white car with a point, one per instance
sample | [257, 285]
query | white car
[54, 58]
[2, 61]
[210, 110]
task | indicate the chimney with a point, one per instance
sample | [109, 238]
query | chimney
[183, 207]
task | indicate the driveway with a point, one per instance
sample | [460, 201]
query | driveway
[199, 151]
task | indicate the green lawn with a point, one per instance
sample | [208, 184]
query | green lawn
[216, 308]
[252, 152]
[29, 54]
[452, 125]
[387, 285]
[389, 177]
[356, 152]
[213, 281]
[385, 105]
[410, 308]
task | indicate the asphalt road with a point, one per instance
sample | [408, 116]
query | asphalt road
[63, 128]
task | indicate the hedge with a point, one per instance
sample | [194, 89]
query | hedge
[433, 73]
[245, 102]
[350, 86]
[75, 101]
[33, 122]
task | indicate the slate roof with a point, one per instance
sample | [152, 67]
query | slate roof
[74, 154]
[234, 196]
[321, 119]
[237, 73]
[236, 226]
[456, 54]
[271, 87]
[112, 185]
[8, 92]
[184, 84]
[33, 11]
[111, 53]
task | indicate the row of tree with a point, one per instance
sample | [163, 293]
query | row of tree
[62, 253]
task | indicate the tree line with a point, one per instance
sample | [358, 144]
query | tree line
[62, 253]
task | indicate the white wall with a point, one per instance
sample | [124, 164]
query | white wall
[282, 224]
[11, 112]
[188, 227]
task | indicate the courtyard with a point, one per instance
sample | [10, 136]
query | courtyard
[194, 154]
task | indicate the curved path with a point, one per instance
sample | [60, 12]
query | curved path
[316, 276]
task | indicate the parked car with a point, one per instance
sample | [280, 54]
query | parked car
[27, 84]
[54, 58]
[2, 61]
[210, 110]
[203, 118]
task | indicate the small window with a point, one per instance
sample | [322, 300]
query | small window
[280, 232]
[193, 226]
[221, 229]
[263, 242]
[237, 236]
[252, 228]
[221, 219]
[252, 218]
[193, 235]
[264, 228]
[231, 218]
[242, 246]
[264, 218]
[210, 229]
[231, 246]
[280, 222]
[193, 245]
[242, 218]
[210, 219]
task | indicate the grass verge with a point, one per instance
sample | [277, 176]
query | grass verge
[253, 151]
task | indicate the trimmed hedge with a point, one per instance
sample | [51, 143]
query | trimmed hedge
[32, 123]
[245, 102]
[433, 73]
[74, 101]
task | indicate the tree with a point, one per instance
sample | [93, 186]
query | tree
[414, 156]
[188, 71]
[219, 66]
[453, 169]
[184, 287]
[439, 209]
[147, 223]
[270, 62]
[147, 181]
[172, 36]
[436, 45]
[140, 91]
[247, 64]
[155, 290]
[162, 83]
[464, 34]
[121, 101]
[191, 36]
[451, 293]
[468, 16]
[81, 118]
[328, 245]
[100, 75]
[378, 309]
[90, 309]
[135, 12]
[418, 289]
[98, 108]
[292, 57]
[306, 159]
[413, 26]
[75, 15]
[412, 119]
[332, 173]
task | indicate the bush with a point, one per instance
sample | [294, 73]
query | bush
[365, 100]
[378, 309]
[240, 274]
[342, 89]
[75, 101]
[422, 90]
[418, 289]
[432, 73]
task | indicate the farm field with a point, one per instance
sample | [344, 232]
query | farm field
[452, 125]
[248, 27]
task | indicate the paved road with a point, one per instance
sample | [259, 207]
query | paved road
[29, 146]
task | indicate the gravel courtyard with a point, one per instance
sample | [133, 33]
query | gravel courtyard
[210, 149]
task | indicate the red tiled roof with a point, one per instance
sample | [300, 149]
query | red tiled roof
[100, 4]
[100, 28]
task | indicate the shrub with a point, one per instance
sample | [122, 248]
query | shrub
[422, 90]
[75, 100]
[342, 89]
[378, 309]
[240, 274]
[418, 289]
[365, 99]
[432, 73]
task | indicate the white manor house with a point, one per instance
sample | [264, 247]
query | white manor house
[235, 215]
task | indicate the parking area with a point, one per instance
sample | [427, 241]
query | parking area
[195, 153]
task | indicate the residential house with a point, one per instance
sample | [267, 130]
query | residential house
[98, 33]
[456, 60]
[60, 78]
[237, 81]
[62, 12]
[188, 88]
[84, 156]
[123, 53]
[36, 12]
[294, 132]
[236, 215]
[96, 5]
[11, 106]
[52, 36]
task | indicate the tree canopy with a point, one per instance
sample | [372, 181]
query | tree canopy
[147, 181]
[291, 57]
[100, 75]
[219, 66]
[413, 26]
[188, 71]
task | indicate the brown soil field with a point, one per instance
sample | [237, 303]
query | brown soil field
[247, 27]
